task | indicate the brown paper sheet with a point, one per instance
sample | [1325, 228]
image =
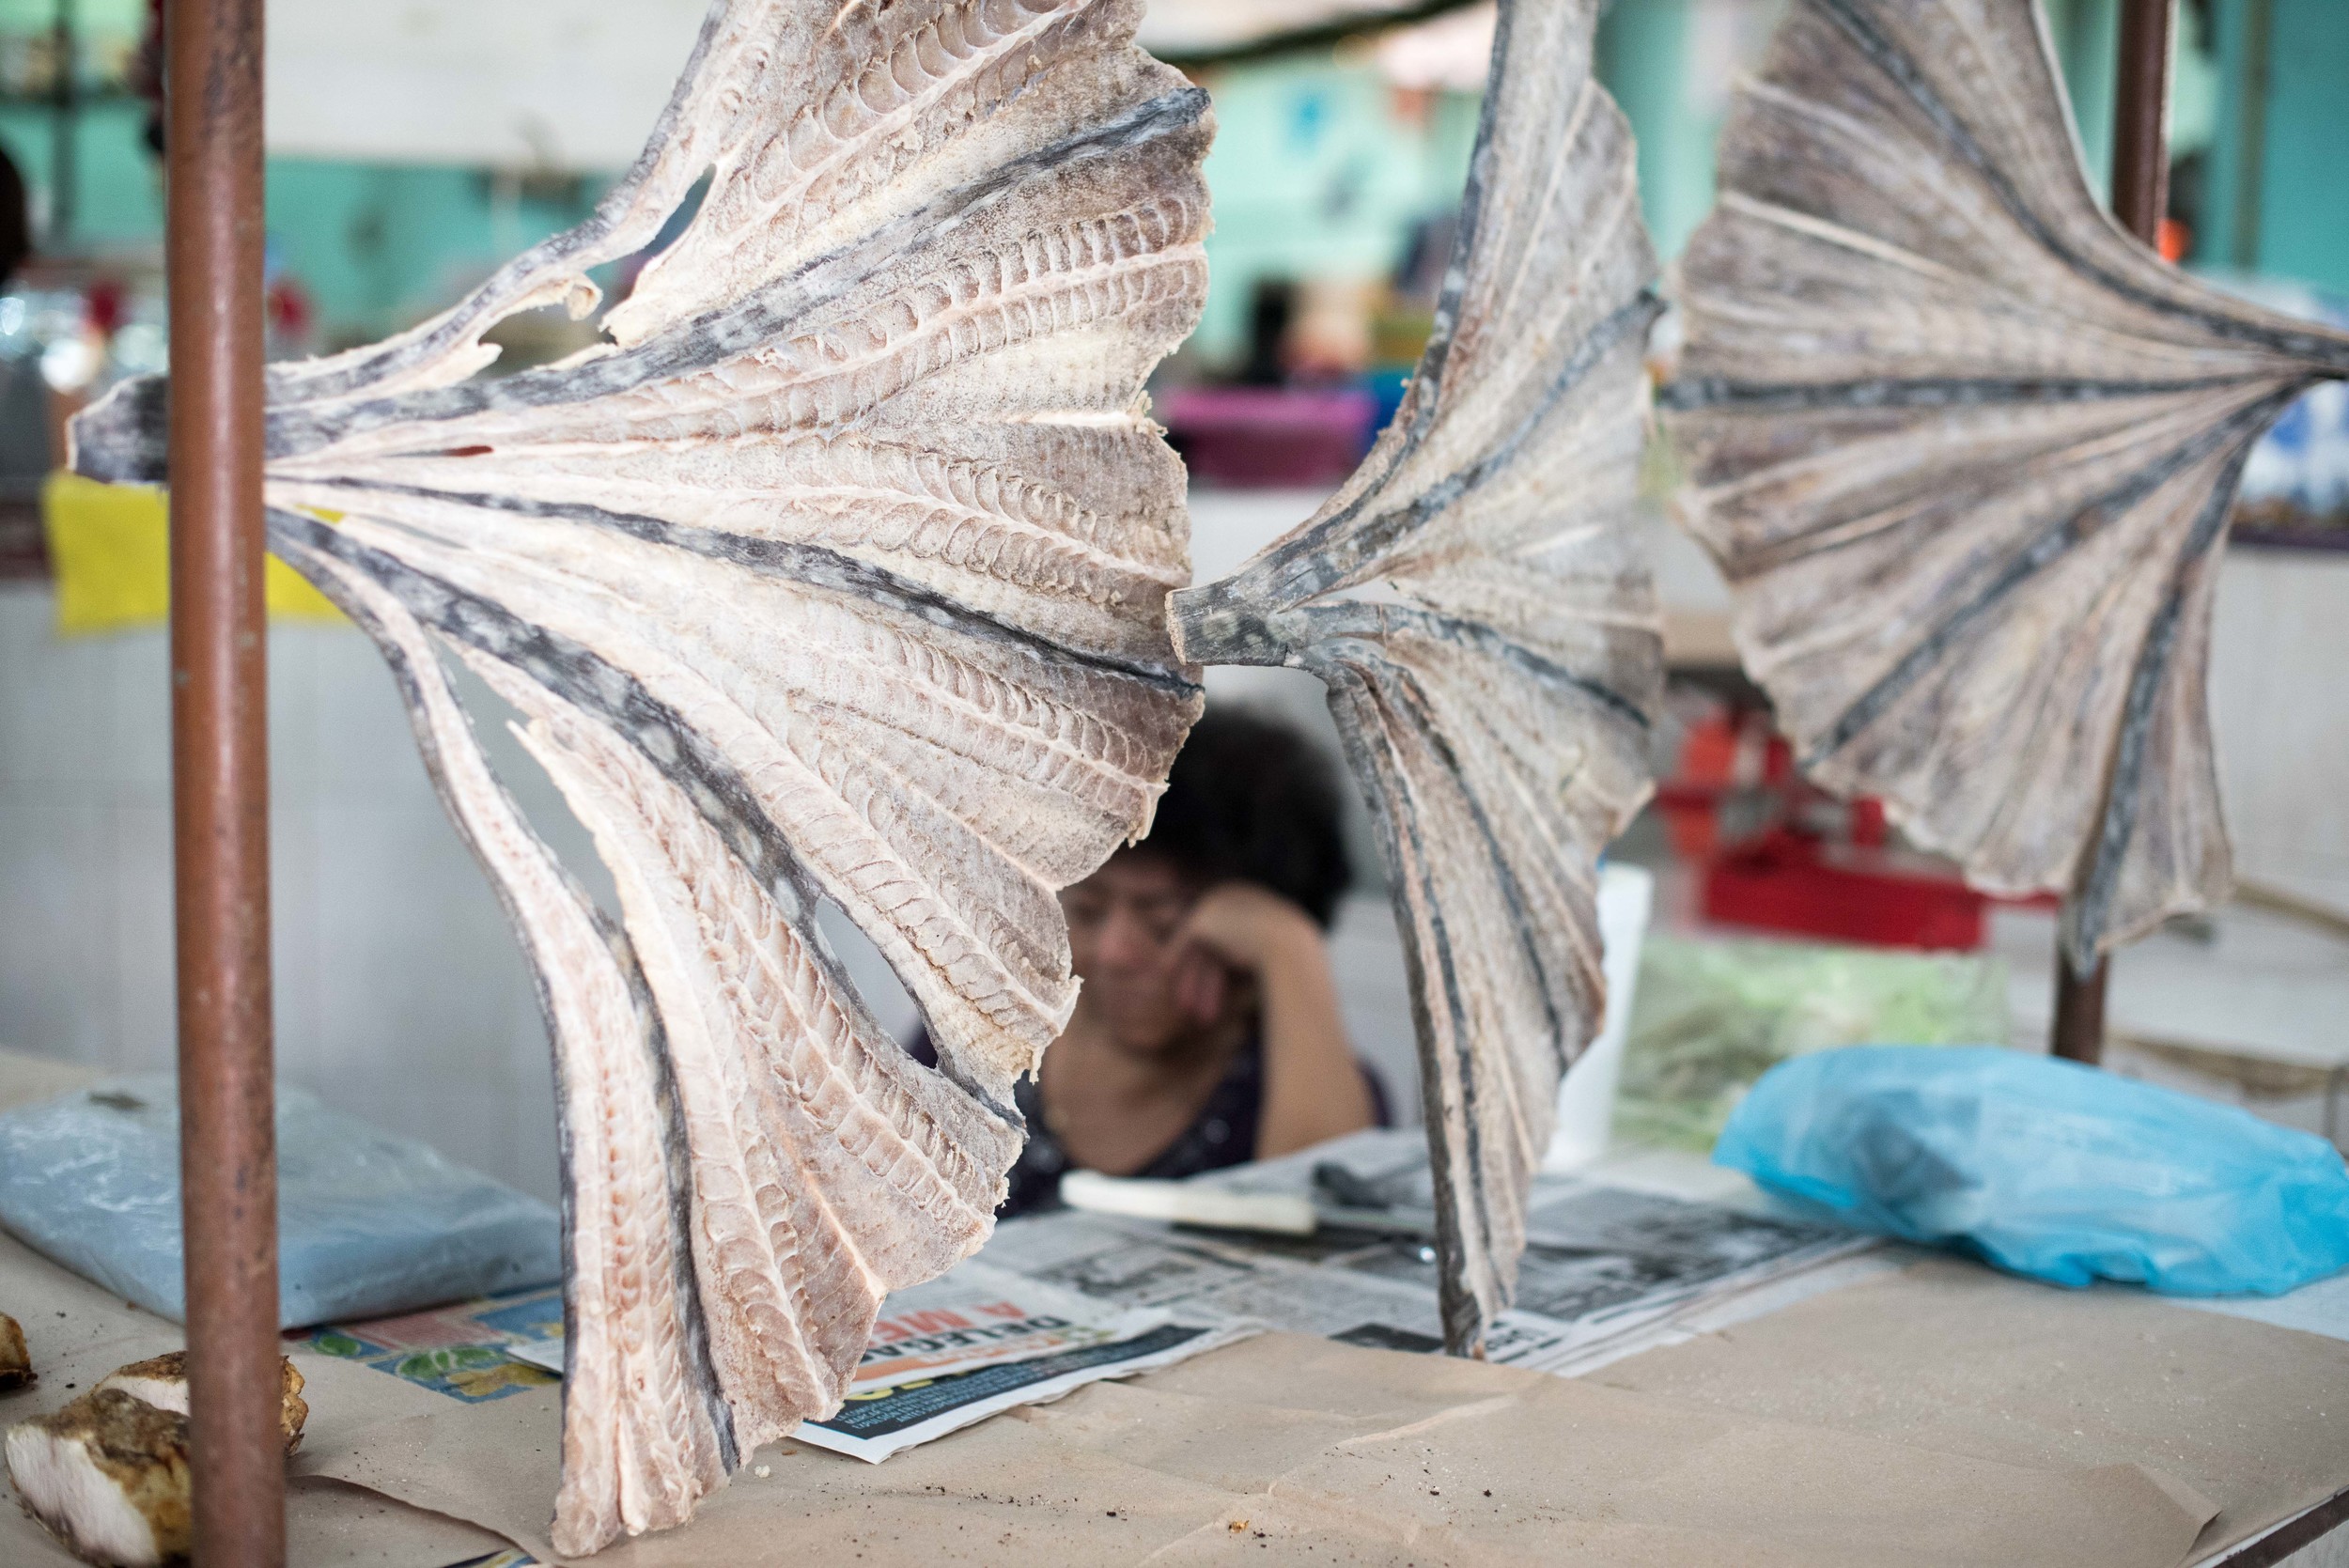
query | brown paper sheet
[1875, 1425]
[1365, 1456]
[1954, 1358]
[77, 1334]
[328, 1525]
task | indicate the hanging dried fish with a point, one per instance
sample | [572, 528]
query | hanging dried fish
[837, 574]
[1965, 450]
[1474, 601]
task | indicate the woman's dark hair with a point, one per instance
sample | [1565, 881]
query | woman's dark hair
[1252, 800]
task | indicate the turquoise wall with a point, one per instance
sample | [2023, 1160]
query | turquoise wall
[120, 201]
[105, 20]
[376, 245]
[2087, 36]
[380, 245]
[2303, 205]
[119, 198]
[2283, 141]
[1641, 58]
[1315, 175]
[1315, 172]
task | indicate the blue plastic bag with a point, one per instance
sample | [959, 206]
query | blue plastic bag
[368, 1223]
[2047, 1167]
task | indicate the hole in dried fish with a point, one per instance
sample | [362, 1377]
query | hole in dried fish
[892, 1005]
[618, 279]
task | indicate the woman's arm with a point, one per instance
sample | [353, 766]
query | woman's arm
[1312, 1087]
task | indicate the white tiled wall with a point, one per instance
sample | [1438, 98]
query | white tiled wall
[402, 998]
[400, 994]
[2279, 708]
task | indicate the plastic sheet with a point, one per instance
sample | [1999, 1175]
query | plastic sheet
[368, 1223]
[2047, 1167]
[1711, 1016]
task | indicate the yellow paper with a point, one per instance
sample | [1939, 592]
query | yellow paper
[109, 549]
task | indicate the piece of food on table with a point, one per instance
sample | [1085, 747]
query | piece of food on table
[108, 1475]
[163, 1382]
[16, 1361]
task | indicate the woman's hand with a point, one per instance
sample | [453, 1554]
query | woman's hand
[1239, 928]
[1314, 1089]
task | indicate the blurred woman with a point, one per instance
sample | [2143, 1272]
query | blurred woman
[1208, 1031]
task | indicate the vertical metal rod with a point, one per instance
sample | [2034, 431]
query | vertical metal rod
[2140, 119]
[2079, 1012]
[63, 152]
[219, 778]
[2141, 195]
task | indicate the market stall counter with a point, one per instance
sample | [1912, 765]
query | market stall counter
[1917, 1410]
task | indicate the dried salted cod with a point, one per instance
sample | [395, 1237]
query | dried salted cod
[838, 573]
[1475, 603]
[1965, 451]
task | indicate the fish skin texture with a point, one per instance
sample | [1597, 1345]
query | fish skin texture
[1966, 449]
[1476, 602]
[841, 572]
[836, 573]
[645, 1431]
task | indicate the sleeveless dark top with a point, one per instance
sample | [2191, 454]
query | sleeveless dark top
[1223, 1133]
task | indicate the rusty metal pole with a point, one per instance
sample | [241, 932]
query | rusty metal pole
[2079, 1011]
[2141, 199]
[2140, 119]
[219, 778]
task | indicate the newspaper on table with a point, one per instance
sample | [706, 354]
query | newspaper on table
[977, 1315]
[475, 1351]
[1607, 1270]
[1064, 1299]
[978, 1340]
